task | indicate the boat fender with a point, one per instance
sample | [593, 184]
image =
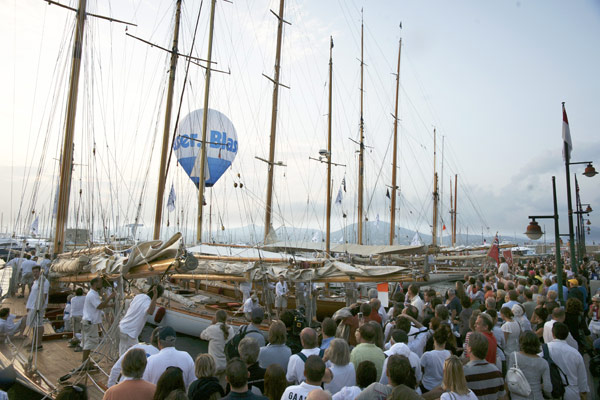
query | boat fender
[160, 314]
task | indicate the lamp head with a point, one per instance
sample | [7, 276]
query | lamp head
[534, 231]
[590, 171]
[588, 209]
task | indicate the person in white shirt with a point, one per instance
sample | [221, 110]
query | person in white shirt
[217, 335]
[169, 356]
[432, 362]
[503, 268]
[77, 303]
[399, 347]
[281, 295]
[314, 371]
[570, 362]
[558, 315]
[150, 350]
[36, 306]
[415, 300]
[246, 289]
[250, 305]
[133, 322]
[15, 264]
[92, 318]
[45, 264]
[295, 369]
[337, 358]
[27, 274]
[8, 328]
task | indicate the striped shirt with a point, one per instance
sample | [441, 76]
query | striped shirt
[484, 379]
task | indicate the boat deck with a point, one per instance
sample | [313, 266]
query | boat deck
[42, 370]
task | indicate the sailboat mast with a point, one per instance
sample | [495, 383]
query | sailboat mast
[361, 150]
[435, 194]
[451, 216]
[455, 207]
[268, 212]
[201, 178]
[162, 177]
[328, 234]
[395, 152]
[66, 166]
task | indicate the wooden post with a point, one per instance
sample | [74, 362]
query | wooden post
[361, 151]
[395, 152]
[328, 234]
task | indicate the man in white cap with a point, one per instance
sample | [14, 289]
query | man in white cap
[249, 305]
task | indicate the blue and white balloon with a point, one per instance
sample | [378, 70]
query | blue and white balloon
[220, 152]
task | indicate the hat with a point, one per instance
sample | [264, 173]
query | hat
[167, 334]
[254, 297]
[596, 297]
[257, 313]
[573, 282]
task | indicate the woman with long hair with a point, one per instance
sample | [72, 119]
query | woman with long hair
[337, 358]
[534, 367]
[454, 382]
[170, 380]
[275, 382]
[217, 335]
[207, 386]
[512, 331]
[576, 323]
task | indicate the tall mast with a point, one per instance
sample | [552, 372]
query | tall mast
[455, 208]
[395, 151]
[441, 195]
[435, 194]
[66, 166]
[361, 155]
[202, 180]
[451, 215]
[162, 177]
[328, 235]
[271, 162]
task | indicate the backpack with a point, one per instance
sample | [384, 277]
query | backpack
[231, 347]
[516, 381]
[303, 356]
[556, 374]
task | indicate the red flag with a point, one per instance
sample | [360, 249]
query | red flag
[566, 134]
[507, 254]
[443, 227]
[495, 250]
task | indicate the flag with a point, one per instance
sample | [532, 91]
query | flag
[34, 225]
[443, 227]
[171, 201]
[507, 254]
[566, 134]
[344, 183]
[377, 220]
[494, 251]
[383, 292]
[338, 199]
[387, 193]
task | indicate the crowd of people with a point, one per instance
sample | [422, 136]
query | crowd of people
[502, 332]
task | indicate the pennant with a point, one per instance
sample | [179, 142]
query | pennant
[171, 201]
[387, 193]
[443, 227]
[338, 199]
[344, 183]
[34, 225]
[507, 254]
[566, 134]
[494, 251]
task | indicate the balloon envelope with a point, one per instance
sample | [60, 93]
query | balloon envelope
[221, 148]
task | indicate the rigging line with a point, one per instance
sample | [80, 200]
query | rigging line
[187, 68]
[380, 171]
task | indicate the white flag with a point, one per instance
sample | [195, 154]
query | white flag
[377, 221]
[171, 201]
[566, 134]
[338, 199]
[34, 225]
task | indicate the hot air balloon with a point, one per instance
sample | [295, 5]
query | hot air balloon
[221, 148]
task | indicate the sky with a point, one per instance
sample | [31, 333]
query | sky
[488, 76]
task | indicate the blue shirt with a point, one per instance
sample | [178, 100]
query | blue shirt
[325, 343]
[555, 288]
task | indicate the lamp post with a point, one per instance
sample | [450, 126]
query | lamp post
[590, 171]
[580, 224]
[534, 232]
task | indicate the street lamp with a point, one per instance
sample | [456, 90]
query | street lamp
[534, 232]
